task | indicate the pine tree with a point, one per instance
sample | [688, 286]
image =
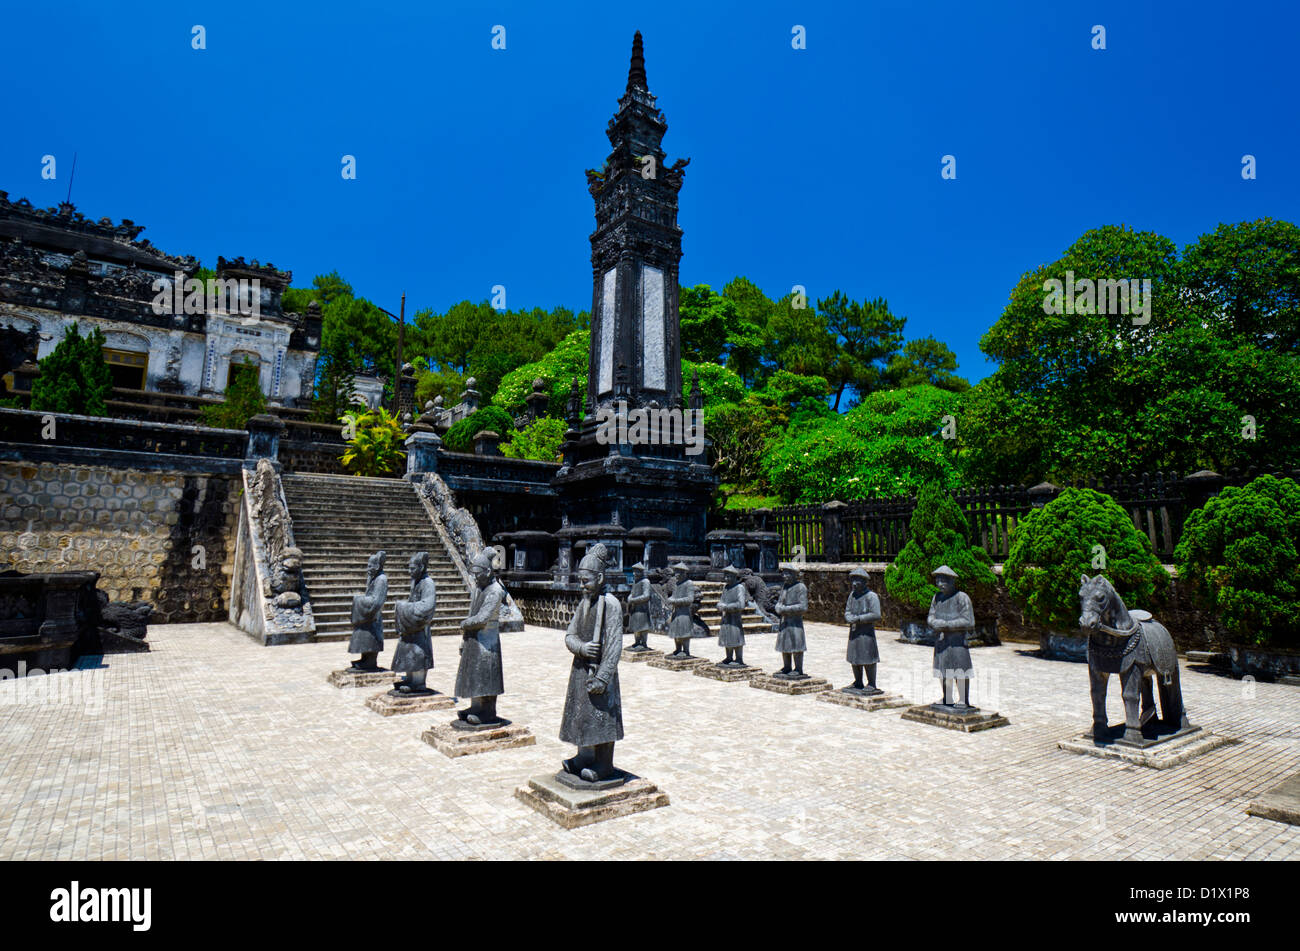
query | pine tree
[74, 377]
[938, 534]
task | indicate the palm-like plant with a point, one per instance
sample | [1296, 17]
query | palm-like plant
[375, 448]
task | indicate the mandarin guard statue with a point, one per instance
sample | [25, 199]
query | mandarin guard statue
[368, 616]
[593, 706]
[790, 608]
[952, 617]
[682, 601]
[479, 675]
[862, 611]
[731, 631]
[638, 605]
[414, 654]
[1137, 648]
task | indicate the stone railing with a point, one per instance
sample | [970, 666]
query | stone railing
[461, 469]
[27, 434]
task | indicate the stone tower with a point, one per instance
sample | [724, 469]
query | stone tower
[635, 249]
[648, 501]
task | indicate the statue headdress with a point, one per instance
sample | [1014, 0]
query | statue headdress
[597, 558]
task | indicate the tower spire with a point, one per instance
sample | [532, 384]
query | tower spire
[636, 72]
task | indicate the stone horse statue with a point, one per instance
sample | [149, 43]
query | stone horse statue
[1138, 648]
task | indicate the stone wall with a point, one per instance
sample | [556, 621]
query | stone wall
[828, 587]
[138, 529]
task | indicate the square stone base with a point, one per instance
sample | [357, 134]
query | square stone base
[970, 720]
[1281, 803]
[1159, 753]
[637, 657]
[390, 704]
[453, 741]
[572, 808]
[877, 701]
[727, 674]
[357, 678]
[668, 662]
[789, 687]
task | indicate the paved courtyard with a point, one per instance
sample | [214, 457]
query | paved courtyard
[212, 747]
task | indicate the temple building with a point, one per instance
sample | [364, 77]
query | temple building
[58, 267]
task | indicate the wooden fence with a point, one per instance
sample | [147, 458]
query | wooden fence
[876, 529]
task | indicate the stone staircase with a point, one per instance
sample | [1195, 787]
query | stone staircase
[710, 592]
[339, 521]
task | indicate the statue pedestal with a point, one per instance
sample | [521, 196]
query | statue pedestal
[459, 738]
[727, 674]
[572, 807]
[864, 699]
[668, 662]
[1155, 751]
[390, 703]
[636, 657]
[780, 683]
[361, 678]
[1281, 803]
[965, 719]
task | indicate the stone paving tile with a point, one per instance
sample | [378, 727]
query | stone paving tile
[212, 747]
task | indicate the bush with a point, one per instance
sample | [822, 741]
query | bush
[376, 448]
[539, 440]
[938, 534]
[1052, 546]
[460, 438]
[1241, 552]
[74, 377]
[556, 370]
[243, 400]
[889, 445]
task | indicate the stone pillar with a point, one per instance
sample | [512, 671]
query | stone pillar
[537, 400]
[264, 434]
[469, 400]
[422, 452]
[769, 553]
[1199, 488]
[1043, 493]
[833, 531]
[485, 443]
[406, 392]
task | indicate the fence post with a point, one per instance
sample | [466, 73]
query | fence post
[833, 530]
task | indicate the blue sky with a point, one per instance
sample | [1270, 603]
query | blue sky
[817, 167]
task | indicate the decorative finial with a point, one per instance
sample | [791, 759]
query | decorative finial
[636, 72]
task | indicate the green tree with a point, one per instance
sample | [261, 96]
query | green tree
[565, 363]
[1081, 531]
[243, 400]
[707, 318]
[865, 337]
[445, 383]
[937, 534]
[1241, 553]
[460, 437]
[925, 360]
[74, 377]
[376, 448]
[541, 439]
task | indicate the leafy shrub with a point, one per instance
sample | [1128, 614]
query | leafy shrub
[376, 448]
[540, 439]
[243, 400]
[938, 534]
[74, 377]
[891, 444]
[1241, 551]
[1052, 546]
[556, 370]
[460, 438]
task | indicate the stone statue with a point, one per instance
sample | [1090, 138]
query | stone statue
[791, 606]
[286, 578]
[682, 602]
[593, 708]
[368, 616]
[951, 617]
[638, 606]
[731, 632]
[479, 675]
[414, 654]
[1136, 647]
[862, 612]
